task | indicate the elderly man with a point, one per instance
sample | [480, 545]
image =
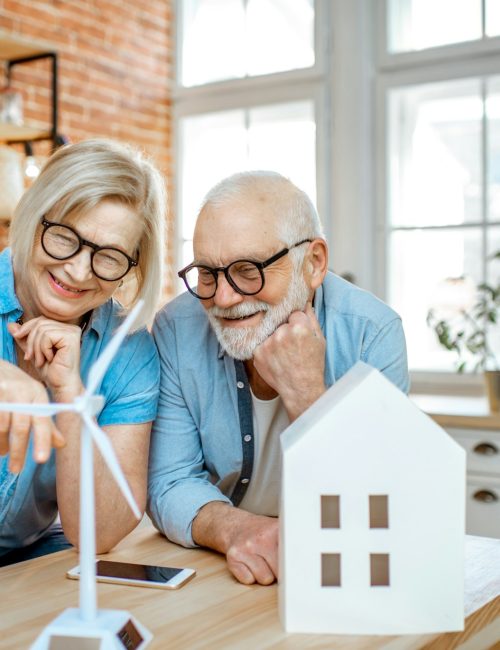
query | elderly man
[264, 330]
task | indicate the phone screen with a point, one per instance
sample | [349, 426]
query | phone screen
[128, 571]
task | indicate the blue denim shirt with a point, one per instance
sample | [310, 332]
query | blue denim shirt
[202, 439]
[28, 503]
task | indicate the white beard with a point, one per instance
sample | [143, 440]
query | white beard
[240, 343]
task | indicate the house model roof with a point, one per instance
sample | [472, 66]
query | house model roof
[372, 517]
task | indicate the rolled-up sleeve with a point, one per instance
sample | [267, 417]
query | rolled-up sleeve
[179, 484]
[132, 384]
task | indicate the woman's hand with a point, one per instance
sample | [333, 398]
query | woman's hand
[53, 348]
[17, 386]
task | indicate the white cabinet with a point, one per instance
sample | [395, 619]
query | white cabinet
[468, 421]
[483, 479]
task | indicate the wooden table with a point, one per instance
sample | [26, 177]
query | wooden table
[213, 610]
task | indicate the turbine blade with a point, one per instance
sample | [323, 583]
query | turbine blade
[99, 368]
[108, 453]
[35, 409]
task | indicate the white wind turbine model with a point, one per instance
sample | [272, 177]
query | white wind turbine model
[87, 627]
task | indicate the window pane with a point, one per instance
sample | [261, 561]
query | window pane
[435, 154]
[280, 35]
[492, 17]
[330, 511]
[418, 24]
[379, 570]
[417, 268]
[493, 115]
[330, 570]
[212, 146]
[379, 510]
[493, 278]
[229, 39]
[283, 138]
[211, 29]
[278, 137]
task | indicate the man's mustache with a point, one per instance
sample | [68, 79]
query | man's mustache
[243, 309]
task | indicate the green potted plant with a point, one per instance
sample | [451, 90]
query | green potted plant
[462, 324]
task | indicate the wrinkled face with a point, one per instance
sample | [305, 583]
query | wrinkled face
[233, 232]
[65, 290]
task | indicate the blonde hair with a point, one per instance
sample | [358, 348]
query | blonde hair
[80, 176]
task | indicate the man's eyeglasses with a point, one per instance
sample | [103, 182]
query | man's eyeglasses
[245, 276]
[62, 242]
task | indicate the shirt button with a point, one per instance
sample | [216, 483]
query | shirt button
[240, 384]
[247, 438]
[245, 480]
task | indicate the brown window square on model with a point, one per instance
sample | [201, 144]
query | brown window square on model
[379, 511]
[330, 511]
[330, 570]
[379, 569]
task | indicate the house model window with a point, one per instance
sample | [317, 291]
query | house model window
[378, 518]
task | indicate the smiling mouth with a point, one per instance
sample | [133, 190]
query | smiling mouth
[65, 286]
[239, 318]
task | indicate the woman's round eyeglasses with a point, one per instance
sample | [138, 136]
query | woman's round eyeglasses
[62, 242]
[245, 276]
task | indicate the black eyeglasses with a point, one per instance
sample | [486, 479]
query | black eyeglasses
[245, 276]
[62, 242]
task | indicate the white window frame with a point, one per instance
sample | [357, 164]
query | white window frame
[397, 70]
[261, 90]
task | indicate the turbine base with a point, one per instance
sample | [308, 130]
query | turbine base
[112, 629]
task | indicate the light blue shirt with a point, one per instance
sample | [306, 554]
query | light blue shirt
[202, 439]
[28, 503]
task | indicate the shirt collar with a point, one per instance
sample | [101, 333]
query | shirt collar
[8, 299]
[99, 319]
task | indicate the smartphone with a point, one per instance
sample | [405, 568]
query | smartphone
[139, 575]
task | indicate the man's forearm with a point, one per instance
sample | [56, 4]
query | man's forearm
[212, 524]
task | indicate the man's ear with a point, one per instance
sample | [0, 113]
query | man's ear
[316, 263]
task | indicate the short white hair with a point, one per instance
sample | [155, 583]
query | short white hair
[296, 216]
[77, 178]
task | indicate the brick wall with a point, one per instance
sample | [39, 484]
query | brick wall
[115, 71]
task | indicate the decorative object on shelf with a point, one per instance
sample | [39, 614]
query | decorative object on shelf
[88, 627]
[32, 164]
[463, 318]
[11, 106]
[11, 181]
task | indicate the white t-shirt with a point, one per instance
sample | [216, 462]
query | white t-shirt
[269, 420]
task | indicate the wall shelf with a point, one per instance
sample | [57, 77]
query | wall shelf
[25, 133]
[17, 48]
[16, 51]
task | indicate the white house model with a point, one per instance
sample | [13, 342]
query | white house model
[372, 515]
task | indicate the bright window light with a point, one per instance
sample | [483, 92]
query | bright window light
[419, 24]
[215, 145]
[492, 18]
[444, 198]
[230, 39]
[436, 154]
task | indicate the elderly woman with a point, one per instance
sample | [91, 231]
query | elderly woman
[92, 222]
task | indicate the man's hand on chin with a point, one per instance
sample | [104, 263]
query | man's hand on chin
[292, 361]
